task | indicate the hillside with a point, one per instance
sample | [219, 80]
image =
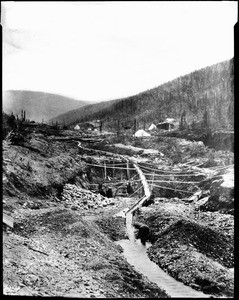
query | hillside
[208, 91]
[85, 113]
[38, 105]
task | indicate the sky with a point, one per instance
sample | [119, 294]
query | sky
[99, 51]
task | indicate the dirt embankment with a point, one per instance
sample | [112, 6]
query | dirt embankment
[40, 166]
[195, 248]
[58, 252]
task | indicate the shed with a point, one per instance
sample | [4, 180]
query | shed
[95, 124]
[165, 125]
[170, 120]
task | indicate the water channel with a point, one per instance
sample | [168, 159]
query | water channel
[136, 254]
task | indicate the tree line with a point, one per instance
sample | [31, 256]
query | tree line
[208, 92]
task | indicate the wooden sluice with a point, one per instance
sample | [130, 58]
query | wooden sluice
[8, 220]
[147, 191]
[128, 161]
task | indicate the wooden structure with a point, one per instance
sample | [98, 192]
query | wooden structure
[165, 125]
[147, 191]
[8, 220]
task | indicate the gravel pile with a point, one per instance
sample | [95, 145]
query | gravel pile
[80, 198]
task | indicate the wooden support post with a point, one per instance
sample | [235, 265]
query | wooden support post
[139, 190]
[105, 169]
[121, 174]
[151, 188]
[128, 173]
[113, 172]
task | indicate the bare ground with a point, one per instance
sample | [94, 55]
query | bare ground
[194, 247]
[55, 251]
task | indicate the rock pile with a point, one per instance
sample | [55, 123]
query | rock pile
[221, 194]
[81, 198]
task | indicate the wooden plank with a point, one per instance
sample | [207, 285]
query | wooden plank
[8, 220]
[195, 196]
[128, 172]
[142, 178]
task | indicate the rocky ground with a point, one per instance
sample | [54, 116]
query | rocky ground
[194, 247]
[62, 243]
[55, 251]
[72, 195]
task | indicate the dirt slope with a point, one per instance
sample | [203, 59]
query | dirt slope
[40, 166]
[195, 248]
[57, 252]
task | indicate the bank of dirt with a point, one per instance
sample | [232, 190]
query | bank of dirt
[59, 252]
[40, 167]
[196, 248]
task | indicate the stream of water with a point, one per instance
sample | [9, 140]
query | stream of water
[136, 254]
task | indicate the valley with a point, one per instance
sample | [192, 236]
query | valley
[67, 235]
[203, 102]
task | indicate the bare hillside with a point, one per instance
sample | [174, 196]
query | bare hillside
[38, 105]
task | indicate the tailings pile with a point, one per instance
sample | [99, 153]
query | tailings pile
[194, 247]
[80, 198]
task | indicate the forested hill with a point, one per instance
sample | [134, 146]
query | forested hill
[208, 91]
[38, 105]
